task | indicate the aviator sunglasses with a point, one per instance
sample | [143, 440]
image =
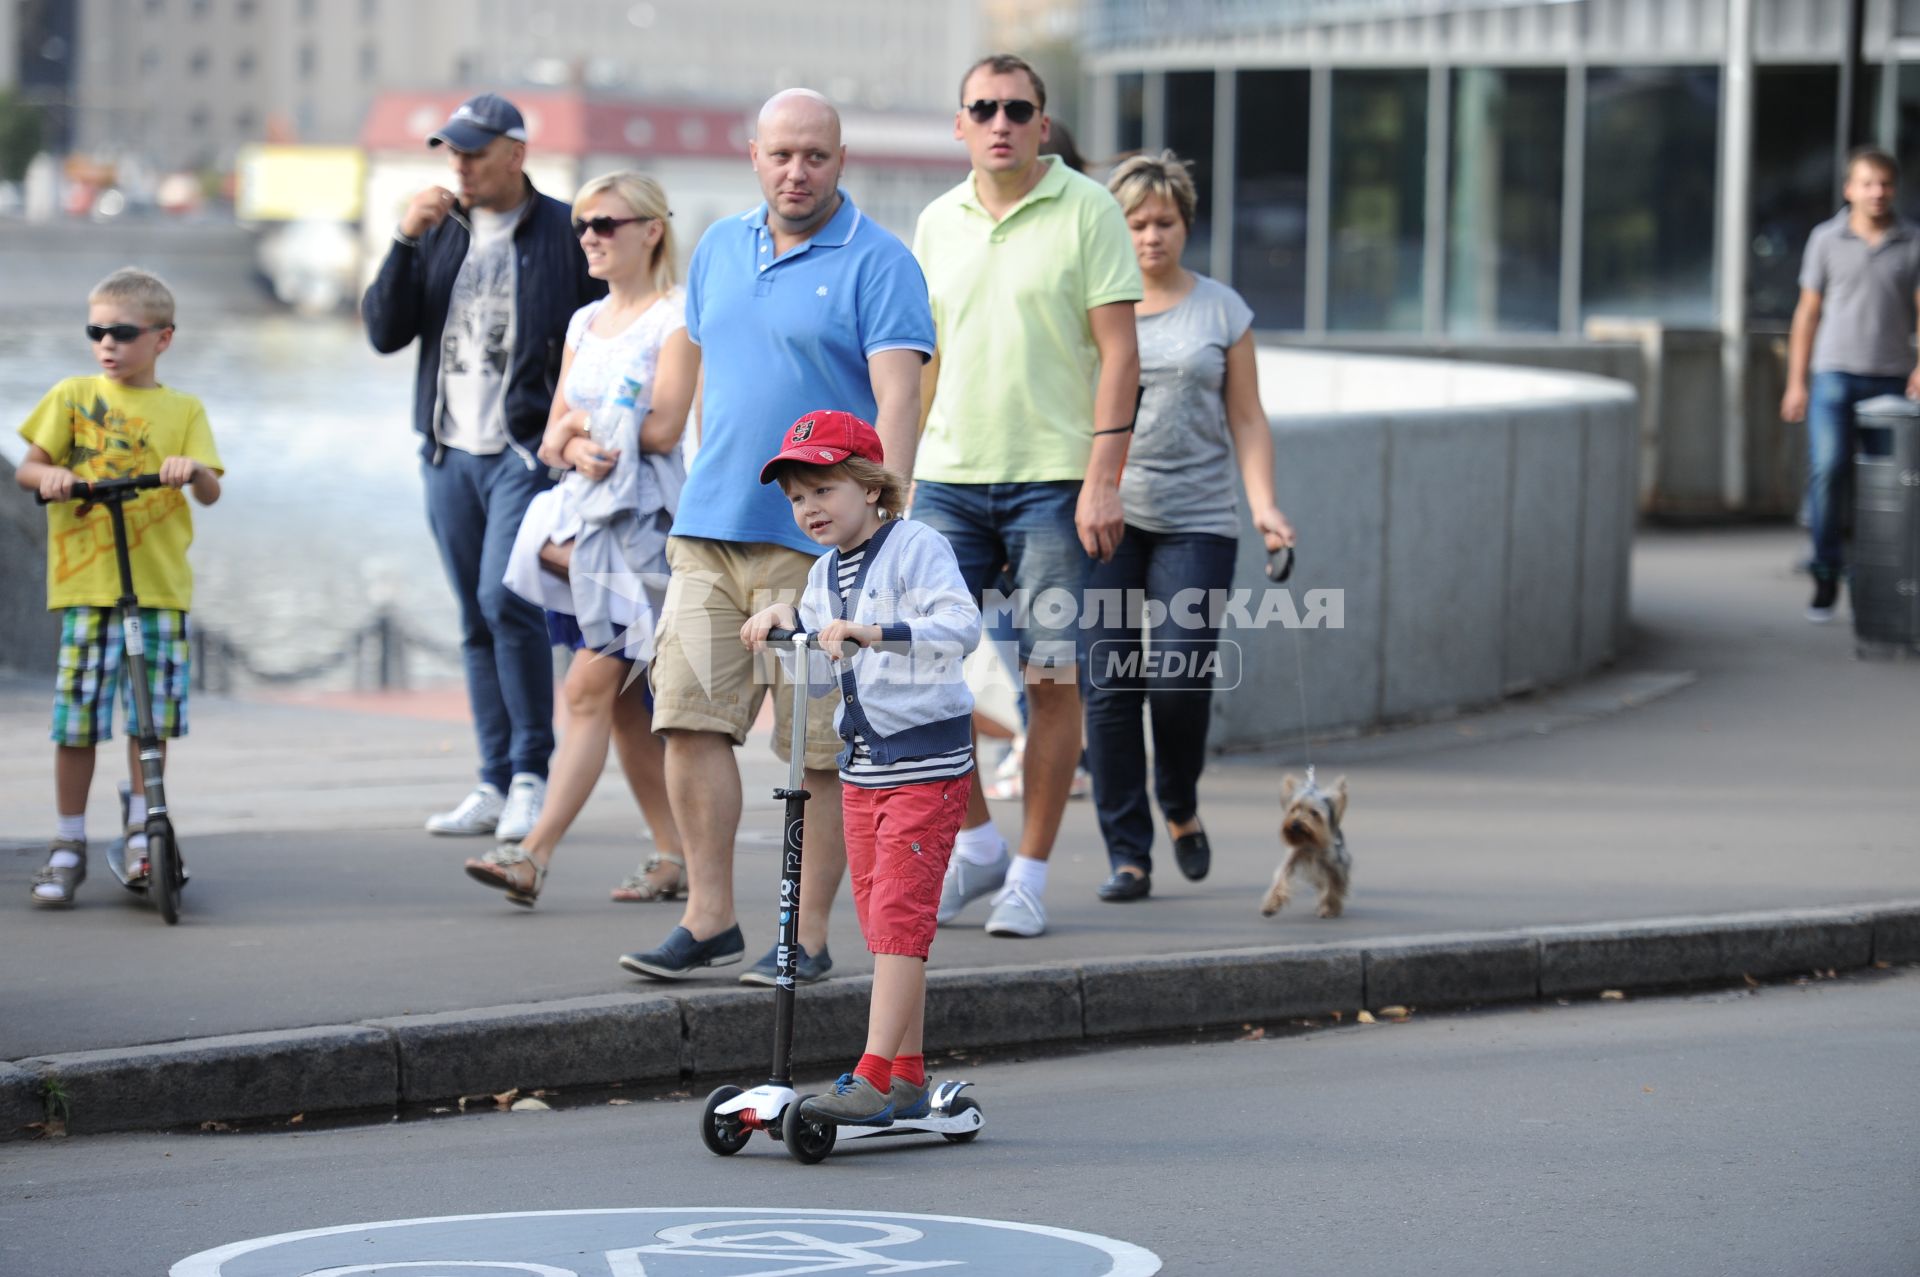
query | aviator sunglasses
[1019, 110]
[121, 333]
[604, 227]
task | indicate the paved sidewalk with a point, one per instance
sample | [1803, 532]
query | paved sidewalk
[1740, 759]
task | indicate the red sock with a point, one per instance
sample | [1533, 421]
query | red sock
[876, 1070]
[911, 1068]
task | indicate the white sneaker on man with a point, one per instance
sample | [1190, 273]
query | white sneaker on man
[478, 813]
[526, 795]
[1017, 912]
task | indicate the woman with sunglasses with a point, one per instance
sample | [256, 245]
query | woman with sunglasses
[1199, 416]
[592, 551]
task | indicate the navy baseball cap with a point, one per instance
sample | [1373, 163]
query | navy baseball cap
[478, 121]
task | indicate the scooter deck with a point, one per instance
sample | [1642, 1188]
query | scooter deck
[769, 1104]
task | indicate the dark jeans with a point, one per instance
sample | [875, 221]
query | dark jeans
[1830, 402]
[474, 506]
[1150, 566]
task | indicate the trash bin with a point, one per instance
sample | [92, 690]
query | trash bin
[1885, 558]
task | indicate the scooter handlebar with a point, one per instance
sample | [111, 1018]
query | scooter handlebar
[100, 489]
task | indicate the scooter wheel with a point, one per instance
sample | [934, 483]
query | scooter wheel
[163, 869]
[807, 1138]
[964, 1104]
[722, 1133]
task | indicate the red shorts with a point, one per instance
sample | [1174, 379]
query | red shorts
[898, 841]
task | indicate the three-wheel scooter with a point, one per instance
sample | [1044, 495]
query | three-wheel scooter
[165, 872]
[732, 1115]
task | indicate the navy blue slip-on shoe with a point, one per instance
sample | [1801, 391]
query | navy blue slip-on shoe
[1123, 886]
[1194, 854]
[681, 955]
[808, 968]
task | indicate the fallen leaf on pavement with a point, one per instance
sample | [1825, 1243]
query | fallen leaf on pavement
[1363, 1017]
[296, 1119]
[1647, 1089]
[1612, 995]
[215, 1126]
[1336, 1015]
[443, 1108]
[1751, 982]
[505, 1099]
[618, 1101]
[1253, 1036]
[529, 1105]
[51, 1129]
[1395, 1012]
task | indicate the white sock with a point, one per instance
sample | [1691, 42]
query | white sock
[70, 828]
[980, 846]
[1028, 873]
[136, 815]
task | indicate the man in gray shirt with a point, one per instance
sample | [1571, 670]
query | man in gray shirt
[1853, 331]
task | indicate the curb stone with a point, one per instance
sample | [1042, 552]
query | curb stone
[19, 1101]
[240, 1077]
[571, 1042]
[661, 1037]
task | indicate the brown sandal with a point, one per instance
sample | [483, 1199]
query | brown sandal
[637, 886]
[500, 868]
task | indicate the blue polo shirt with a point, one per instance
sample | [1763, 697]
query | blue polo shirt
[780, 337]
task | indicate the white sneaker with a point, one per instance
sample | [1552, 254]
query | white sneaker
[478, 813]
[1017, 912]
[966, 882]
[525, 797]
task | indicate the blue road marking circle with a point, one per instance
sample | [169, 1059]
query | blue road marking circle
[666, 1241]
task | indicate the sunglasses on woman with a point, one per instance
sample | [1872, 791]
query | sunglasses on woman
[604, 227]
[122, 333]
[1019, 110]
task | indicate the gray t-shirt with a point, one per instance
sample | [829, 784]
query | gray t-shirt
[1180, 474]
[477, 343]
[1866, 297]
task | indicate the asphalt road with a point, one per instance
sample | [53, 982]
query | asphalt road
[1771, 1131]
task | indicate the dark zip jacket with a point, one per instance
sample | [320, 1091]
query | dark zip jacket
[408, 300]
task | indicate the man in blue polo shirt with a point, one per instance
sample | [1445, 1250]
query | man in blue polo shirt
[800, 304]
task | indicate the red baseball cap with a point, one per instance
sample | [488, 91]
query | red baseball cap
[826, 438]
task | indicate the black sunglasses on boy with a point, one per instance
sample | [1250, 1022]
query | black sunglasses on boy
[122, 333]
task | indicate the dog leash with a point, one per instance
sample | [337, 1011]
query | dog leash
[1279, 568]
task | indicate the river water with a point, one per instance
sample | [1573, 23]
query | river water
[322, 519]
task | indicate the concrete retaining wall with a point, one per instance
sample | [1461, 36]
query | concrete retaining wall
[1476, 521]
[28, 632]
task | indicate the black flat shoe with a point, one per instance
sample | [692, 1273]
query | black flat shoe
[1125, 886]
[1194, 854]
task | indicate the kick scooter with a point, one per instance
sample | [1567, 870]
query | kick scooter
[165, 874]
[732, 1115]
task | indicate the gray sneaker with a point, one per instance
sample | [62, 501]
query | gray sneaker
[966, 882]
[852, 1102]
[909, 1101]
[53, 887]
[1017, 912]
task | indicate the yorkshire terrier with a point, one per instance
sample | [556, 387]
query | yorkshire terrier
[1310, 828]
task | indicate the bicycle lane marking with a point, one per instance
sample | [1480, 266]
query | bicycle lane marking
[672, 1241]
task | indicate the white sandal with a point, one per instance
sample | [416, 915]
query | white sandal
[637, 886]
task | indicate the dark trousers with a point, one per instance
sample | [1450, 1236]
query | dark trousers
[474, 506]
[1121, 677]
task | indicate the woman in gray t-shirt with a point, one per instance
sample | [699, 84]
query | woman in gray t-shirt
[1200, 420]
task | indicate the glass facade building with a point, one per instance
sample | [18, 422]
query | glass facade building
[1440, 169]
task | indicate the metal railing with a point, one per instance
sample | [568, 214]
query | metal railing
[377, 653]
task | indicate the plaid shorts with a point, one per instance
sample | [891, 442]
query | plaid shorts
[92, 644]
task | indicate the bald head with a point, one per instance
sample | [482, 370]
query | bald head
[797, 156]
[802, 108]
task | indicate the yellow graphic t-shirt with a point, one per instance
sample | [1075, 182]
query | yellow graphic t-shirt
[100, 429]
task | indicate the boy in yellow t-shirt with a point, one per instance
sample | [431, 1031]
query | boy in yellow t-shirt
[115, 425]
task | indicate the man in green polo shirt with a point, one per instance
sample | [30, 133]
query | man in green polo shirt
[1029, 399]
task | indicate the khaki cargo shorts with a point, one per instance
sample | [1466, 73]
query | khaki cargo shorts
[703, 677]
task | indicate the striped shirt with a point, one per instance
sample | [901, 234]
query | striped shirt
[860, 769]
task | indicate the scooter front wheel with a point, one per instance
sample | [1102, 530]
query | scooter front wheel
[163, 869]
[807, 1138]
[723, 1133]
[964, 1104]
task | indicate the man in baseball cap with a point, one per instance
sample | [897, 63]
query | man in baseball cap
[484, 281]
[826, 438]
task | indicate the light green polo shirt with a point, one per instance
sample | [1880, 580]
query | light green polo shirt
[1014, 403]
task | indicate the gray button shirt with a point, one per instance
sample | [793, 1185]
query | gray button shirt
[1866, 297]
[1180, 474]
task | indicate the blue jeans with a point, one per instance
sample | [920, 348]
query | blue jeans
[1027, 528]
[1830, 403]
[474, 506]
[1153, 566]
